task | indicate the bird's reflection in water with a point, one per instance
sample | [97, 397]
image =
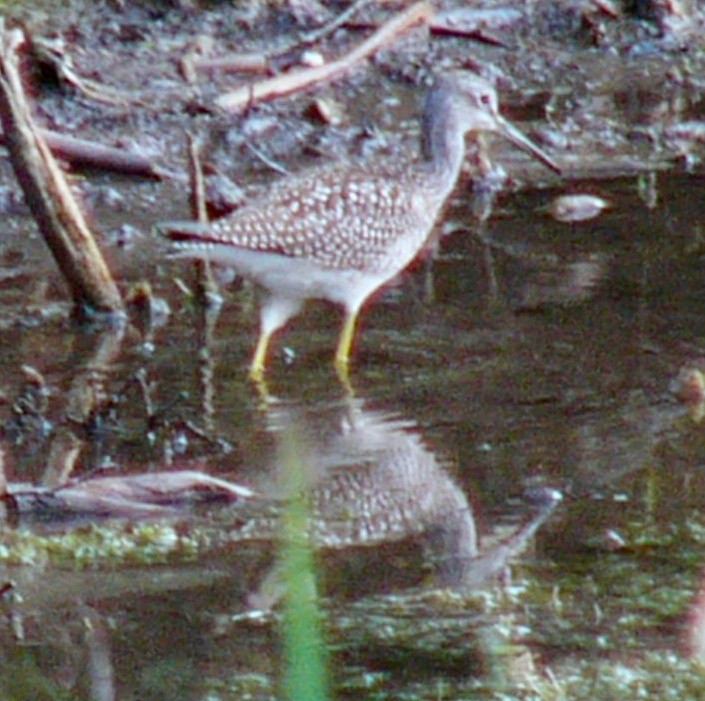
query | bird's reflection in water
[384, 514]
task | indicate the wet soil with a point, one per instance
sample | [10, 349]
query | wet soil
[523, 353]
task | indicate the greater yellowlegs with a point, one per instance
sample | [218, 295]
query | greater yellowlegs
[341, 231]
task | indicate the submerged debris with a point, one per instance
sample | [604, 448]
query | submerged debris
[577, 208]
[689, 388]
[151, 494]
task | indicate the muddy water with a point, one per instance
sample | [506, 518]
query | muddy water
[523, 353]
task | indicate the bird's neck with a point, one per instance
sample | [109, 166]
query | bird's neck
[442, 141]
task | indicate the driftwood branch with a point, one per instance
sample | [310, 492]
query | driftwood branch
[91, 154]
[80, 152]
[288, 83]
[48, 194]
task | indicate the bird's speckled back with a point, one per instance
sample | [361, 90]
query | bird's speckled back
[350, 216]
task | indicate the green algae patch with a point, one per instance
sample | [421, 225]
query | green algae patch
[634, 598]
[97, 545]
[424, 645]
[613, 624]
[245, 686]
[657, 675]
[115, 542]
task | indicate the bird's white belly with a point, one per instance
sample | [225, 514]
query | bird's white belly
[291, 277]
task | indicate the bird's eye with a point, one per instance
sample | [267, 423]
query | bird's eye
[486, 99]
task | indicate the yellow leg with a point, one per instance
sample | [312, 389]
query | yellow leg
[274, 313]
[259, 358]
[342, 354]
[257, 367]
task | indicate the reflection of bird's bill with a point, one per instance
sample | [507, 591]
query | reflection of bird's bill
[510, 132]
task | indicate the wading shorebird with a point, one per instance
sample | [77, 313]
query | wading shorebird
[341, 231]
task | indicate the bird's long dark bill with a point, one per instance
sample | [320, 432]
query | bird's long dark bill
[510, 132]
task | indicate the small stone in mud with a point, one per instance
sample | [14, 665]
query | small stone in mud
[611, 540]
[124, 235]
[577, 208]
[689, 386]
[324, 111]
[11, 201]
[110, 197]
[312, 59]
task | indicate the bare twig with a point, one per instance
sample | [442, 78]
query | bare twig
[198, 188]
[288, 83]
[207, 289]
[51, 52]
[233, 63]
[330, 27]
[48, 195]
[269, 162]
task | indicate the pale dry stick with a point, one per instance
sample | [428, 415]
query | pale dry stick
[198, 186]
[288, 83]
[233, 63]
[269, 162]
[207, 287]
[48, 195]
